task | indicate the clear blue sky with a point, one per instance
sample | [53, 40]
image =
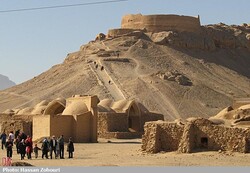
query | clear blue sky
[33, 41]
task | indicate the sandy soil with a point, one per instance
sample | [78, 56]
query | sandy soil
[128, 153]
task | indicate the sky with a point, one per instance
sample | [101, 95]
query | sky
[31, 42]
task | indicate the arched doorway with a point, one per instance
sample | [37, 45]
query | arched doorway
[54, 108]
[134, 118]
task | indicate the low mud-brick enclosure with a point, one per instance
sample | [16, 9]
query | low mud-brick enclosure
[196, 135]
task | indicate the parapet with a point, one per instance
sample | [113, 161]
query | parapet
[158, 23]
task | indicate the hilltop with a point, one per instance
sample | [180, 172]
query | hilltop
[178, 71]
[5, 82]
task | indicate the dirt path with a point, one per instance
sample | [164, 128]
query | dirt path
[107, 81]
[165, 104]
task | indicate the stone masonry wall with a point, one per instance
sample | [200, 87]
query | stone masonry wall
[169, 136]
[220, 137]
[112, 122]
[119, 32]
[186, 144]
[150, 139]
[14, 125]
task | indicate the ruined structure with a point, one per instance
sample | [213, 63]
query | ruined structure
[132, 23]
[123, 119]
[238, 102]
[84, 118]
[158, 23]
[198, 134]
[10, 121]
[183, 31]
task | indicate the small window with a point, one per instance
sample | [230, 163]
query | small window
[204, 142]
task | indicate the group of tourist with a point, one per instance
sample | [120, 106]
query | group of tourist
[24, 145]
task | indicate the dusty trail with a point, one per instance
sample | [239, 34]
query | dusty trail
[107, 81]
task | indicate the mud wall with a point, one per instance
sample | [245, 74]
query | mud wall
[197, 135]
[158, 23]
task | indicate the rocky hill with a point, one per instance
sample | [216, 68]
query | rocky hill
[5, 82]
[179, 74]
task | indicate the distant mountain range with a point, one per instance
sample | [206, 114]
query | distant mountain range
[5, 82]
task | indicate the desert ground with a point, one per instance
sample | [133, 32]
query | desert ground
[116, 152]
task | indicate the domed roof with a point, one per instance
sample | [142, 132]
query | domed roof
[62, 100]
[9, 111]
[26, 110]
[105, 105]
[121, 105]
[245, 107]
[76, 107]
[42, 103]
[106, 102]
[38, 110]
[40, 107]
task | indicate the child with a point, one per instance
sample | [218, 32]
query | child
[36, 148]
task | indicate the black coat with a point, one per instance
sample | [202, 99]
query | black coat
[45, 146]
[22, 147]
[51, 143]
[70, 147]
[9, 145]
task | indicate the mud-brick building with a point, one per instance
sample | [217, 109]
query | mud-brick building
[196, 135]
[123, 119]
[10, 122]
[77, 119]
[85, 118]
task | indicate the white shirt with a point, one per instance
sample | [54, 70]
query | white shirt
[12, 136]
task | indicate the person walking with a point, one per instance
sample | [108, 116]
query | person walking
[70, 148]
[9, 146]
[17, 141]
[52, 145]
[61, 147]
[45, 148]
[3, 138]
[22, 135]
[12, 136]
[22, 148]
[35, 149]
[29, 146]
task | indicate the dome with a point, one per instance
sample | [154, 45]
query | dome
[9, 111]
[245, 107]
[62, 100]
[121, 105]
[38, 110]
[224, 112]
[105, 105]
[26, 110]
[106, 102]
[42, 103]
[40, 107]
[76, 107]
